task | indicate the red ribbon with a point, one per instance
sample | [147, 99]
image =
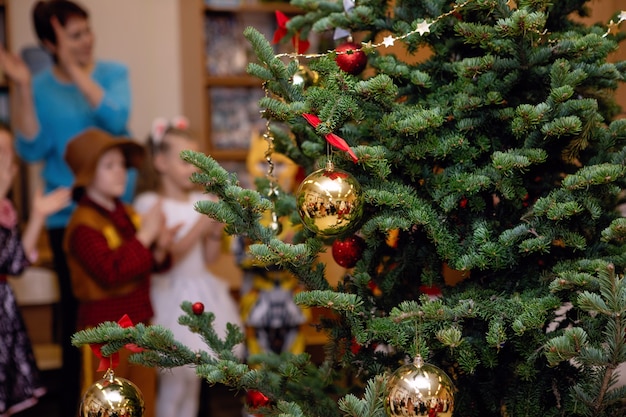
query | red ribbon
[336, 141]
[112, 361]
[301, 45]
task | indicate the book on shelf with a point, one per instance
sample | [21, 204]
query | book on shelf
[228, 52]
[235, 116]
[222, 3]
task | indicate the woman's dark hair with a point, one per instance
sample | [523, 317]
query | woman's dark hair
[63, 10]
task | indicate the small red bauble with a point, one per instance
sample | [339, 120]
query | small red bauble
[346, 252]
[256, 399]
[353, 61]
[197, 308]
[432, 291]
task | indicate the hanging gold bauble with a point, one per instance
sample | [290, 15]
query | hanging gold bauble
[112, 396]
[420, 389]
[330, 201]
[305, 77]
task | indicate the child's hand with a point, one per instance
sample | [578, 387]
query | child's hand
[42, 207]
[205, 225]
[45, 205]
[164, 243]
[152, 223]
[167, 236]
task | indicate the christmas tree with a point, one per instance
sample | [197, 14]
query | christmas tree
[497, 159]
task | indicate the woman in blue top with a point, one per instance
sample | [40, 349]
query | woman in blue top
[77, 92]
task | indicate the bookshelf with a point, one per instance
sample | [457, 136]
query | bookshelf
[231, 95]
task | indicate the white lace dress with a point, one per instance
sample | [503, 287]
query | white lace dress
[189, 279]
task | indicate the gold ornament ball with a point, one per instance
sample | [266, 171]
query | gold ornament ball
[112, 397]
[305, 77]
[420, 389]
[330, 201]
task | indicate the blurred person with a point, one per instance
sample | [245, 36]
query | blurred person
[77, 92]
[197, 243]
[20, 383]
[111, 251]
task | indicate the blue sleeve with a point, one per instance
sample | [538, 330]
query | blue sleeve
[35, 149]
[31, 150]
[114, 110]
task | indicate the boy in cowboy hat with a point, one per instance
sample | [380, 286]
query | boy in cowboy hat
[108, 250]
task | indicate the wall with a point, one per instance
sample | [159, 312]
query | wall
[144, 34]
[601, 12]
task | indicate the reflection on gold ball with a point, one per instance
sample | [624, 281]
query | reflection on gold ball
[112, 397]
[305, 77]
[330, 201]
[420, 389]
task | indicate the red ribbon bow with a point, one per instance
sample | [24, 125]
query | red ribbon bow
[301, 45]
[107, 362]
[336, 141]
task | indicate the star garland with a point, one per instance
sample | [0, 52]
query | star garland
[612, 26]
[423, 28]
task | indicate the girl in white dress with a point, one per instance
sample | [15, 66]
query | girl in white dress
[197, 244]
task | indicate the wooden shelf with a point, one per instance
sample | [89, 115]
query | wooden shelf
[232, 81]
[230, 96]
[228, 155]
[253, 7]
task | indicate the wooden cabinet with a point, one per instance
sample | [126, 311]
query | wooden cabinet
[231, 95]
[4, 85]
[18, 192]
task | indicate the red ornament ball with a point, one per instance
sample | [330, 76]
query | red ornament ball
[197, 308]
[346, 252]
[353, 61]
[256, 399]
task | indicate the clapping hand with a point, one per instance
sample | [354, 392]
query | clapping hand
[46, 204]
[152, 223]
[14, 67]
[166, 237]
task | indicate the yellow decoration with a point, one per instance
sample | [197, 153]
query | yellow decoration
[113, 238]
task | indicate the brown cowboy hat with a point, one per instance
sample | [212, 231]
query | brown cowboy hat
[84, 150]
